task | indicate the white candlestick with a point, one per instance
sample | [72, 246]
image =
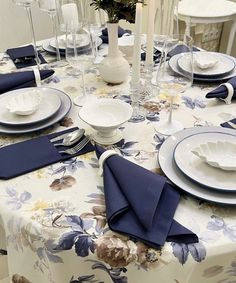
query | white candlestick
[137, 47]
[70, 14]
[150, 32]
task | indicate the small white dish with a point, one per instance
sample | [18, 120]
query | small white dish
[24, 103]
[204, 60]
[219, 154]
[105, 116]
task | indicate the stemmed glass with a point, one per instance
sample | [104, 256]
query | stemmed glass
[172, 84]
[49, 6]
[27, 5]
[80, 59]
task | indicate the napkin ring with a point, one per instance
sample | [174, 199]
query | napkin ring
[106, 154]
[230, 94]
[37, 77]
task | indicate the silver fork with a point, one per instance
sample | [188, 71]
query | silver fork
[78, 147]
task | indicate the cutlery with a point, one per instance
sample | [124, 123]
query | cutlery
[62, 136]
[232, 125]
[72, 138]
[77, 147]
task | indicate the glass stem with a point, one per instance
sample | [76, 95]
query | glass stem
[171, 111]
[29, 14]
[54, 23]
[83, 82]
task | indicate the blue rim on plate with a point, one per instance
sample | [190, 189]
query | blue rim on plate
[66, 105]
[214, 185]
[172, 172]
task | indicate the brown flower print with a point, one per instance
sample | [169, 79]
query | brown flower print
[16, 278]
[63, 183]
[99, 214]
[66, 122]
[115, 251]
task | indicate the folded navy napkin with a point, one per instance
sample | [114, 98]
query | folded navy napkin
[24, 56]
[228, 124]
[17, 80]
[23, 157]
[141, 204]
[121, 32]
[222, 91]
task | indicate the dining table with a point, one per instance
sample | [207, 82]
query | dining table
[53, 226]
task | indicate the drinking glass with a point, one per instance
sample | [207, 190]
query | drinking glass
[49, 6]
[172, 84]
[80, 59]
[27, 5]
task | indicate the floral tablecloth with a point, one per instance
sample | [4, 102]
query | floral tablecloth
[52, 221]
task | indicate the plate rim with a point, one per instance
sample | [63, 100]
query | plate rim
[207, 186]
[185, 184]
[28, 123]
[44, 124]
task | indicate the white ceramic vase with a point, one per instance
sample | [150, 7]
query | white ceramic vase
[114, 68]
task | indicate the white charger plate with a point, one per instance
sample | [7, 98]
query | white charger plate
[174, 67]
[223, 67]
[59, 115]
[49, 105]
[172, 172]
[198, 170]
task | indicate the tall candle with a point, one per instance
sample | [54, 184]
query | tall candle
[51, 4]
[70, 14]
[150, 32]
[137, 47]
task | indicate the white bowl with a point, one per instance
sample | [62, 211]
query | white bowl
[105, 116]
[205, 60]
[25, 103]
[221, 154]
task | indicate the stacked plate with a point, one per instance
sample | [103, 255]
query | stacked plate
[221, 68]
[54, 106]
[194, 175]
[50, 45]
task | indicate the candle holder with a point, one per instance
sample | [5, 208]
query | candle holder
[138, 115]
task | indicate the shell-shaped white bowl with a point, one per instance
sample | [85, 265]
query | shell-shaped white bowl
[220, 154]
[24, 104]
[205, 60]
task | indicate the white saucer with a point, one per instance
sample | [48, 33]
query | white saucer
[49, 105]
[198, 170]
[172, 172]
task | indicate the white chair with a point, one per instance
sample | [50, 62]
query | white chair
[208, 12]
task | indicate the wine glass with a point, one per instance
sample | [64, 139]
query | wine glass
[27, 5]
[80, 58]
[49, 6]
[172, 84]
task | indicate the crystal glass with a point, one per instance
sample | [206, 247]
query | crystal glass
[27, 5]
[79, 59]
[49, 6]
[172, 84]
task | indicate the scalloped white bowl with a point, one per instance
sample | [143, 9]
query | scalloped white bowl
[221, 154]
[25, 103]
[105, 116]
[205, 60]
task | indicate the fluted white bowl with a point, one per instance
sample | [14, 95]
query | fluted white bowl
[220, 154]
[24, 103]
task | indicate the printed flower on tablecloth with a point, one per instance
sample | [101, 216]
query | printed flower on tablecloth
[16, 278]
[116, 251]
[62, 183]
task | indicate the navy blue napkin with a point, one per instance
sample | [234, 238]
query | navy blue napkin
[221, 91]
[17, 80]
[141, 204]
[227, 125]
[24, 56]
[23, 157]
[121, 32]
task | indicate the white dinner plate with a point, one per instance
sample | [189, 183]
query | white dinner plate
[60, 114]
[49, 105]
[174, 67]
[223, 67]
[172, 172]
[198, 170]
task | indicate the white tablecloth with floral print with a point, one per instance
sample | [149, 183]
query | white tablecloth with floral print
[52, 221]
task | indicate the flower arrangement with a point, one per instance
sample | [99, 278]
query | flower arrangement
[118, 9]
